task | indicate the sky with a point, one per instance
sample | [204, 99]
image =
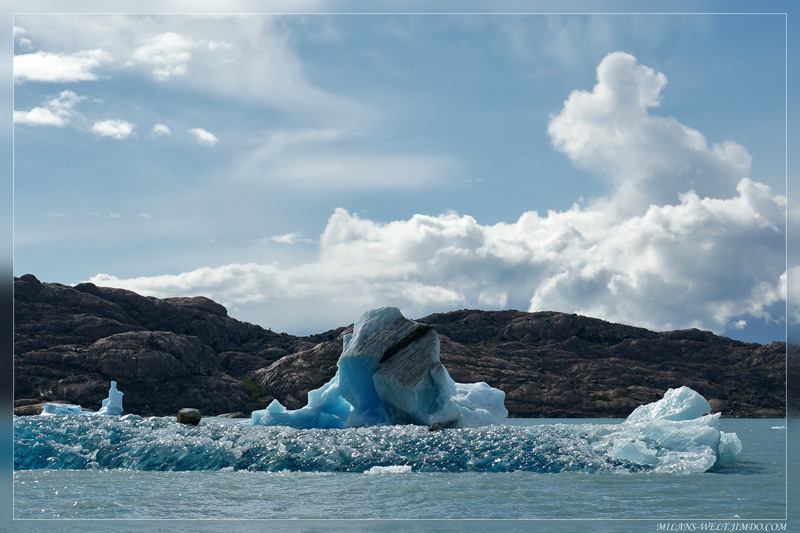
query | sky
[300, 169]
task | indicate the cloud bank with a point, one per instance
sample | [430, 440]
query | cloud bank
[685, 238]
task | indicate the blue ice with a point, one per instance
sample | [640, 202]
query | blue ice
[674, 434]
[389, 373]
[110, 406]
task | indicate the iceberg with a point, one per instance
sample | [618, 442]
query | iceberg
[674, 434]
[113, 404]
[110, 406]
[654, 445]
[677, 404]
[390, 373]
[62, 409]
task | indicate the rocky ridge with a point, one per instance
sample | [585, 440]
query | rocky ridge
[171, 353]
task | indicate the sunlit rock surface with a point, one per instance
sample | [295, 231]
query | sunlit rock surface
[389, 373]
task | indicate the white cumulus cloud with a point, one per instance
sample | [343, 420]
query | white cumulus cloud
[167, 53]
[55, 112]
[650, 159]
[698, 263]
[160, 130]
[115, 129]
[291, 238]
[61, 68]
[686, 238]
[252, 58]
[39, 116]
[204, 137]
[23, 42]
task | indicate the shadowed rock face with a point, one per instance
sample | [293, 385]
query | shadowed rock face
[555, 364]
[165, 354]
[175, 352]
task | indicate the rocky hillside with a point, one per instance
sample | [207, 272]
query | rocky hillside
[555, 364]
[165, 354]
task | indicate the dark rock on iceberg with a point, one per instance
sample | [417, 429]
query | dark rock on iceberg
[188, 415]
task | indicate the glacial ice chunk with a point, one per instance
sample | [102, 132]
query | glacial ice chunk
[479, 404]
[326, 409]
[677, 404]
[393, 469]
[729, 448]
[110, 406]
[62, 409]
[390, 373]
[159, 444]
[674, 434]
[113, 404]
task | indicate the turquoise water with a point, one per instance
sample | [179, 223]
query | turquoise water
[754, 487]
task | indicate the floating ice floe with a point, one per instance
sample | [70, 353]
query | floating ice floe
[643, 444]
[393, 469]
[389, 373]
[62, 409]
[110, 406]
[674, 434]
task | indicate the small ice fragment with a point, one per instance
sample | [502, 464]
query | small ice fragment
[677, 404]
[729, 448]
[394, 469]
[61, 409]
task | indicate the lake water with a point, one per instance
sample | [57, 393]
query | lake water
[320, 484]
